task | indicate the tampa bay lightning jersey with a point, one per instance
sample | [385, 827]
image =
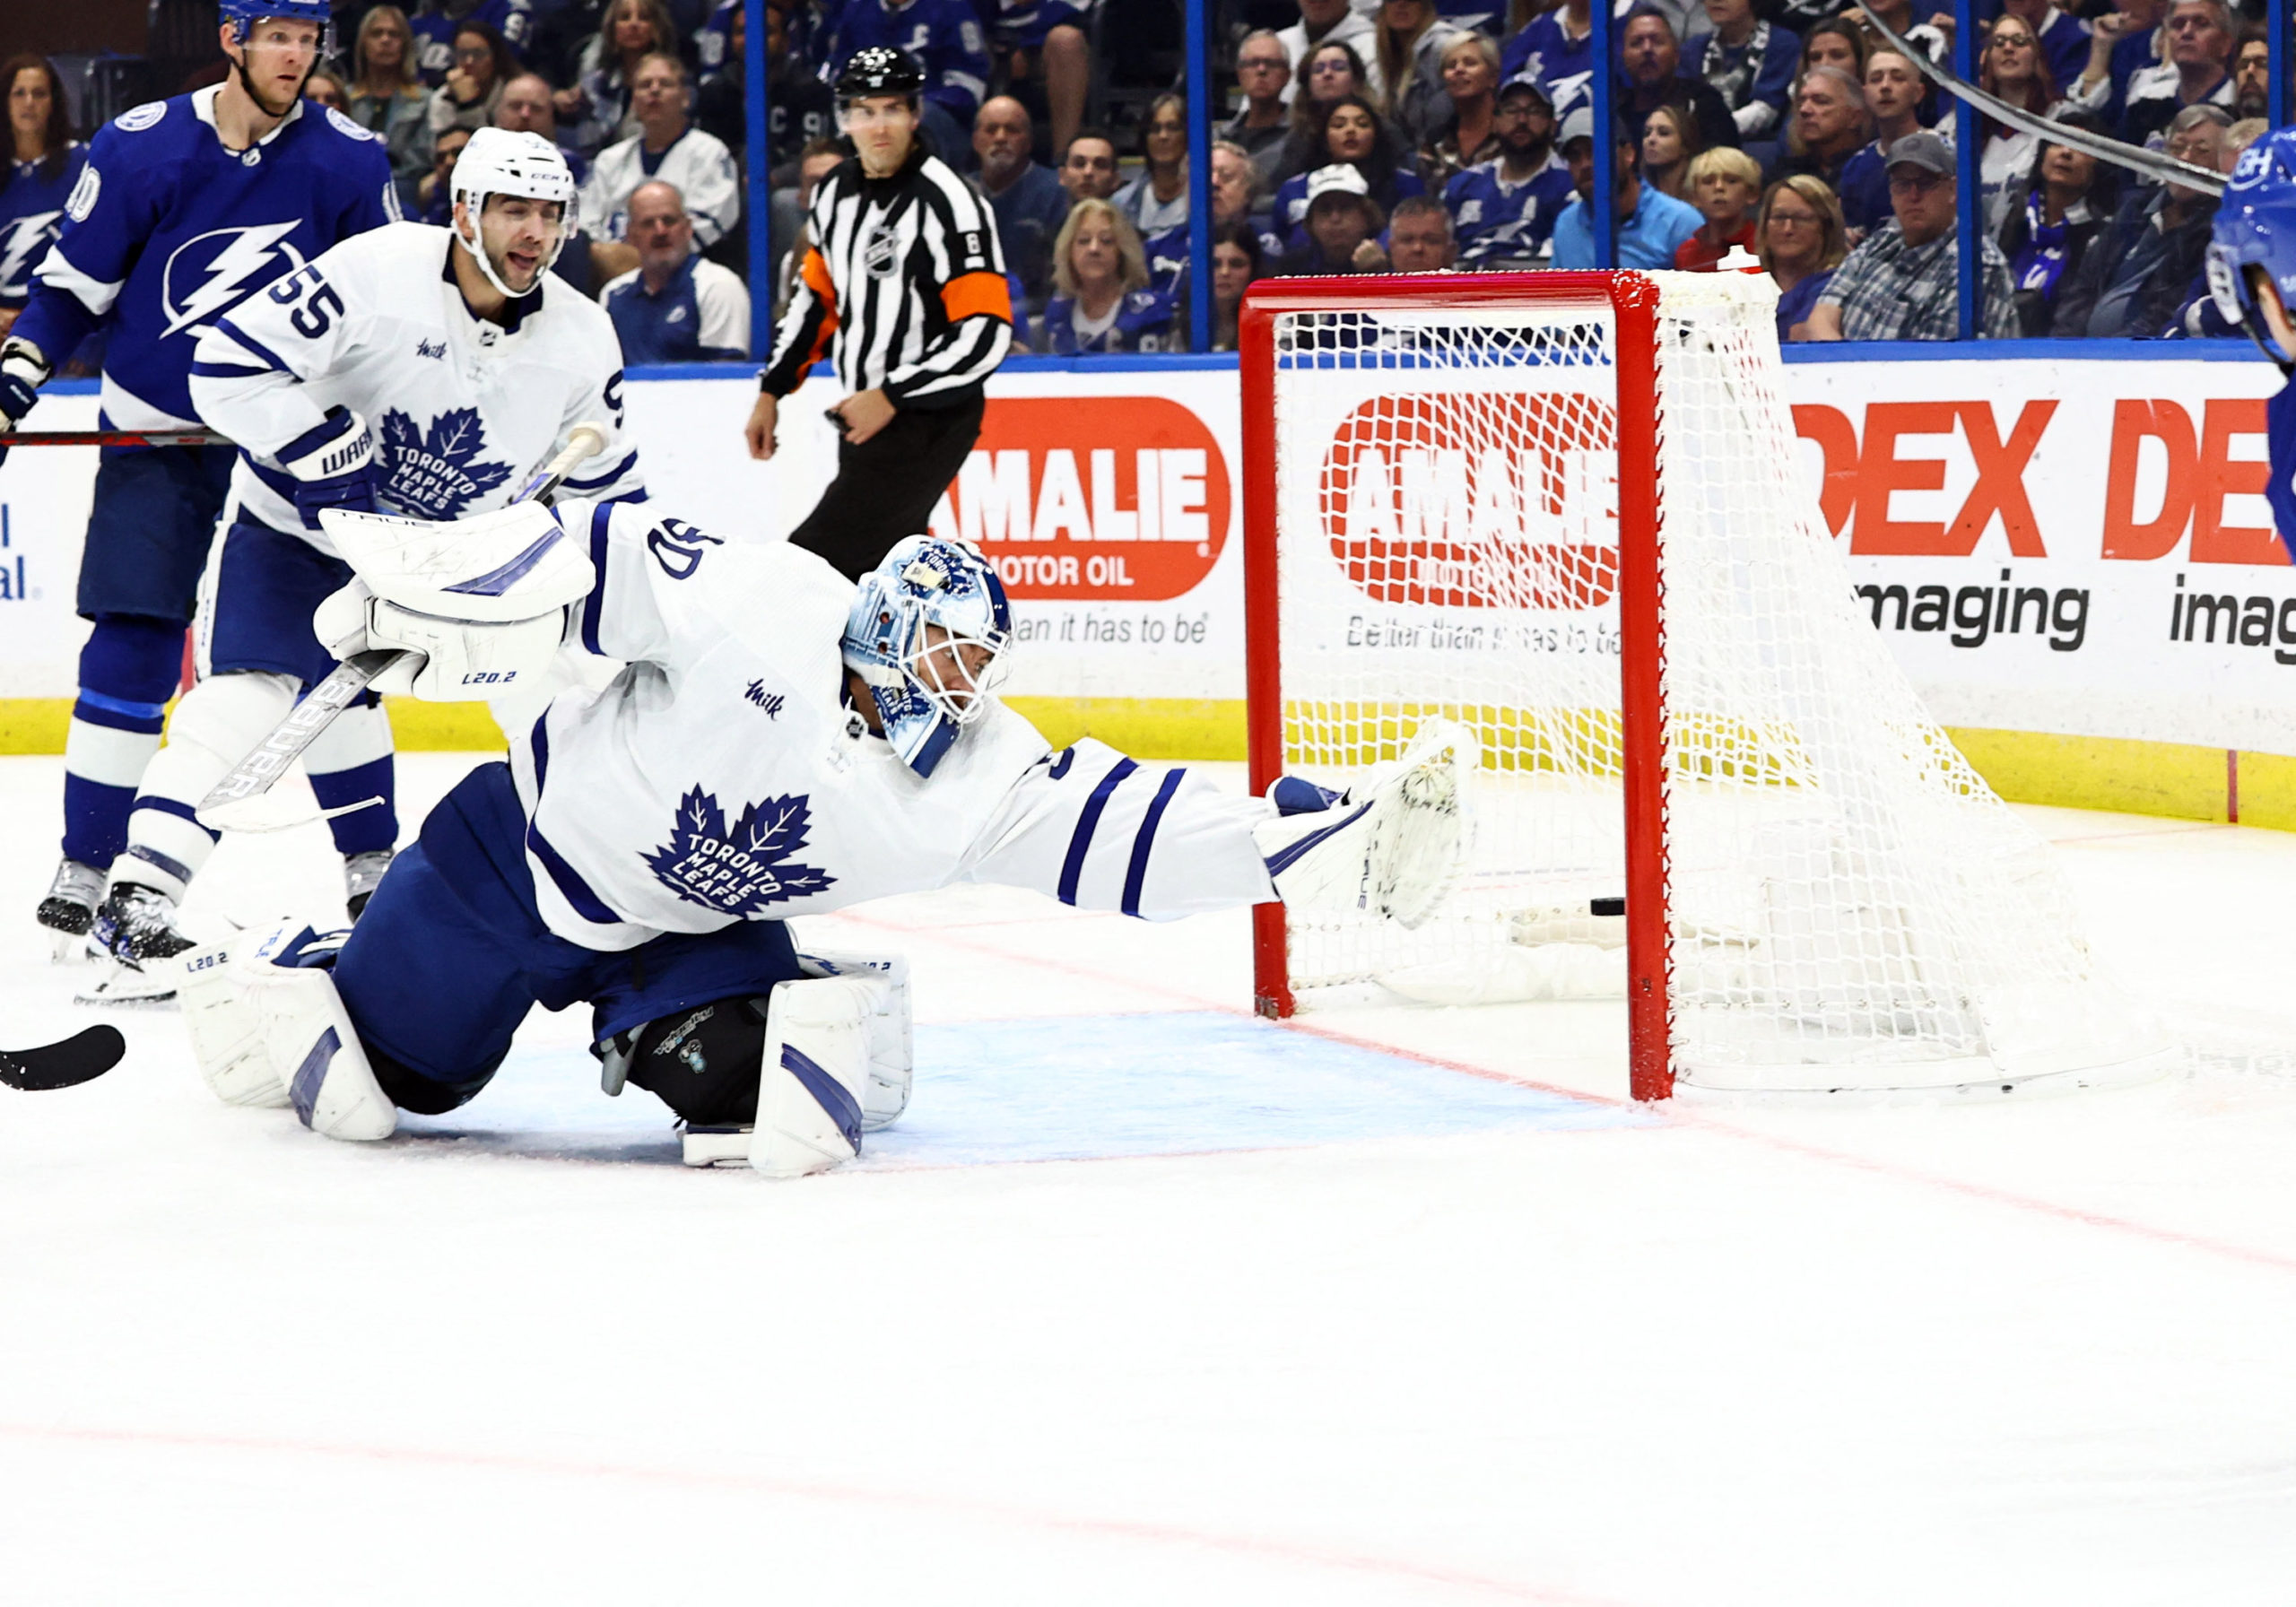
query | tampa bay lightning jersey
[1498, 221]
[2279, 444]
[464, 410]
[723, 776]
[1145, 321]
[32, 215]
[434, 34]
[166, 228]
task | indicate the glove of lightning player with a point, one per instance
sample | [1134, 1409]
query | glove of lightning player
[333, 465]
[23, 371]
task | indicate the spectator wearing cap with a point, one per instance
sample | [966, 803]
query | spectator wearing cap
[1419, 236]
[2135, 275]
[1895, 89]
[1903, 281]
[1725, 186]
[1023, 193]
[697, 165]
[1651, 227]
[1749, 62]
[673, 306]
[945, 37]
[2055, 215]
[1503, 211]
[1332, 22]
[1340, 227]
[1353, 136]
[1828, 126]
[1263, 71]
[1650, 60]
[1555, 50]
[1799, 237]
[2197, 73]
[2063, 38]
[1088, 166]
[1470, 65]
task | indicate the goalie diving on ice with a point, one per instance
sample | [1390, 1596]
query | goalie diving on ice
[780, 743]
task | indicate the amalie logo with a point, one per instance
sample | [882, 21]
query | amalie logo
[1113, 498]
[1526, 516]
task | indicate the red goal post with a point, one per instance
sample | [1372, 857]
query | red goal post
[1464, 495]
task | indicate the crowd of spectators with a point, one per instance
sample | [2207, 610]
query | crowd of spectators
[1357, 136]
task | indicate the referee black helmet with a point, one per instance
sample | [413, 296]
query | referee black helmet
[880, 70]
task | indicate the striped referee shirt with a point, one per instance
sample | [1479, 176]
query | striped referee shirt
[903, 286]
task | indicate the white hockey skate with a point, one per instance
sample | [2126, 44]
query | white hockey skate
[1395, 845]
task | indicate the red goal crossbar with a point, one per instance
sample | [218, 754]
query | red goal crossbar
[1631, 301]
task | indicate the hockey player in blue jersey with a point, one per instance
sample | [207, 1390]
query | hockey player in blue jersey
[185, 208]
[2252, 279]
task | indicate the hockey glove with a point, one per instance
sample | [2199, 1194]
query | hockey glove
[333, 466]
[23, 371]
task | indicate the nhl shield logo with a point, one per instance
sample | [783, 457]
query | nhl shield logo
[881, 254]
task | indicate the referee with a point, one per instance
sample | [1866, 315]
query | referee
[905, 275]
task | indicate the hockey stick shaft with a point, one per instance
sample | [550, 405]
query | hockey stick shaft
[253, 776]
[113, 437]
[2153, 164]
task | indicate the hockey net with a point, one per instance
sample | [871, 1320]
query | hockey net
[1568, 511]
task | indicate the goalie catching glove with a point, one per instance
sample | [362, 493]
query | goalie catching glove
[478, 605]
[1395, 845]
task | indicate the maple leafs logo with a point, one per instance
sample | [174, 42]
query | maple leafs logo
[738, 871]
[435, 474]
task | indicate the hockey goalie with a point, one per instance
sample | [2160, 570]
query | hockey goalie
[779, 744]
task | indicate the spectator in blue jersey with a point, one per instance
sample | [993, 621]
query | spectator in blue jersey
[1555, 51]
[433, 196]
[473, 86]
[2064, 38]
[665, 147]
[1023, 193]
[436, 24]
[1651, 227]
[1470, 65]
[1156, 201]
[387, 95]
[595, 113]
[1236, 195]
[1895, 89]
[1102, 302]
[1748, 61]
[43, 163]
[1503, 212]
[1263, 71]
[1352, 135]
[798, 106]
[717, 42]
[945, 36]
[1042, 51]
[675, 306]
[1238, 257]
[1342, 227]
[1652, 75]
[1800, 239]
[2054, 216]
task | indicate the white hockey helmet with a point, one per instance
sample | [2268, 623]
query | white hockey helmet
[499, 162]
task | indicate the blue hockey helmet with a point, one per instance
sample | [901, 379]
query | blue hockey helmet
[244, 14]
[928, 633]
[2256, 228]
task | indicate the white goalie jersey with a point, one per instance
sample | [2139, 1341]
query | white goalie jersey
[463, 411]
[725, 774]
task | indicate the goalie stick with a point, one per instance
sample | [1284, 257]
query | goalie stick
[82, 1058]
[238, 802]
[2153, 164]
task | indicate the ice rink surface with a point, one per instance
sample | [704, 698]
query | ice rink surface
[1148, 1301]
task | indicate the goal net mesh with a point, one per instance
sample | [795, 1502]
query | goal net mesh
[1848, 904]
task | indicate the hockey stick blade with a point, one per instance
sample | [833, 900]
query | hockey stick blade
[2139, 158]
[82, 1058]
[272, 812]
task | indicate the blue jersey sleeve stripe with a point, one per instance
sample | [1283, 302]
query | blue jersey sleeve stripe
[1145, 841]
[567, 881]
[1284, 858]
[227, 370]
[1072, 869]
[600, 518]
[253, 344]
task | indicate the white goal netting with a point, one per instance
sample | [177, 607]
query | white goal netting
[1849, 906]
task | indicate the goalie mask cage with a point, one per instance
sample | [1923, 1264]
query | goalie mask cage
[1566, 509]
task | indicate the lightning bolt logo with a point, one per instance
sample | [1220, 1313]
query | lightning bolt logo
[19, 242]
[243, 254]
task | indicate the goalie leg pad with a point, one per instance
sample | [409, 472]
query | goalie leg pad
[226, 1031]
[891, 1056]
[313, 1048]
[815, 1077]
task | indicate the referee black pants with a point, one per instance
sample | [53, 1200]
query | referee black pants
[885, 488]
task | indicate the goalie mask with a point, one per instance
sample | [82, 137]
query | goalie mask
[2256, 231]
[928, 632]
[499, 162]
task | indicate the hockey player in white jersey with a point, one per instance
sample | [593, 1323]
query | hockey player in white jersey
[413, 369]
[779, 745]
